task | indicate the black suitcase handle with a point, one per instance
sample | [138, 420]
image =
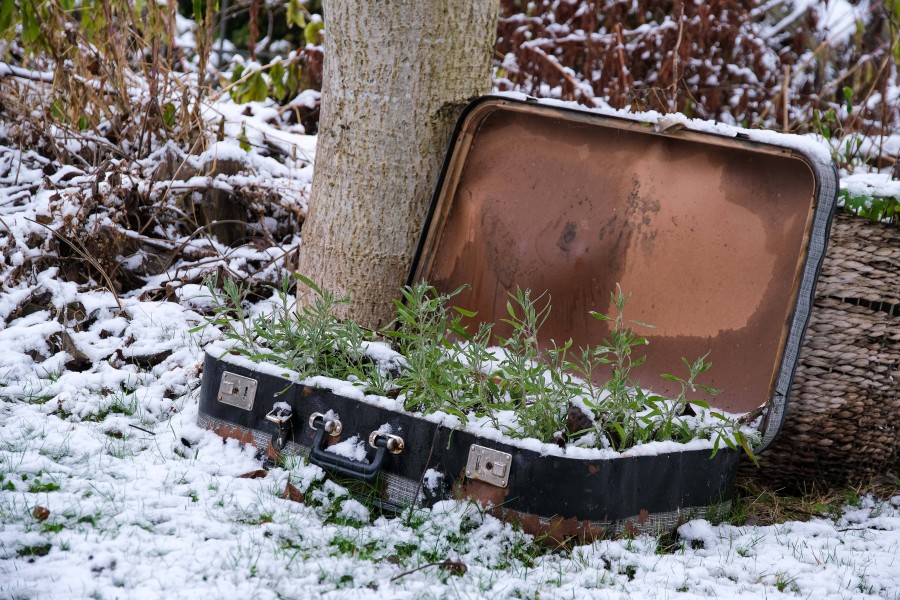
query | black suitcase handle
[365, 471]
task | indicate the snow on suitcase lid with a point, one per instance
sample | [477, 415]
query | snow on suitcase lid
[717, 232]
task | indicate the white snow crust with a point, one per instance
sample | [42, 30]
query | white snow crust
[808, 145]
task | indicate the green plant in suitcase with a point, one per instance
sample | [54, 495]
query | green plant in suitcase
[311, 342]
[438, 365]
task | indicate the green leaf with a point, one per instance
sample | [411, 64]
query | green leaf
[168, 114]
[243, 141]
[31, 29]
[459, 330]
[276, 76]
[7, 10]
[709, 390]
[82, 123]
[311, 32]
[295, 16]
[308, 283]
[452, 410]
[294, 73]
[464, 312]
[848, 99]
[747, 449]
[510, 310]
[642, 324]
[237, 73]
[58, 109]
[255, 88]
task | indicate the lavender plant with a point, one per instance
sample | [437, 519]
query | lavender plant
[517, 387]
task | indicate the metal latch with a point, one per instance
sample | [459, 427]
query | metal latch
[281, 415]
[489, 465]
[237, 390]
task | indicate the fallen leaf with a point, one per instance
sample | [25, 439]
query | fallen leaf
[457, 567]
[258, 474]
[292, 493]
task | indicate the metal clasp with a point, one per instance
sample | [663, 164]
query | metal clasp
[281, 415]
[489, 465]
[237, 390]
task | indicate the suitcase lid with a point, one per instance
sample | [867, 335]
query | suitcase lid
[717, 232]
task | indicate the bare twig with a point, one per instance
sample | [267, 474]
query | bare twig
[785, 88]
[83, 253]
[142, 429]
[456, 566]
[675, 58]
[200, 230]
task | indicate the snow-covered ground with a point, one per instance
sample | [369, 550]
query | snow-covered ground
[108, 489]
[118, 494]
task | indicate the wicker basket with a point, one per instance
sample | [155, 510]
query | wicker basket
[843, 423]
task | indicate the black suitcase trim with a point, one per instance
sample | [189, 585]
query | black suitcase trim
[554, 495]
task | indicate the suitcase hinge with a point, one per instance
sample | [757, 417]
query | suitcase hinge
[332, 427]
[393, 443]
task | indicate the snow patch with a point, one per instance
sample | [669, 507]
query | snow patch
[353, 448]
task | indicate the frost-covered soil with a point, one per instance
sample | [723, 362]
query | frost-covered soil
[141, 503]
[108, 489]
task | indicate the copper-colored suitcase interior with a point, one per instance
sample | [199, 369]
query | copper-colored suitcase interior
[708, 234]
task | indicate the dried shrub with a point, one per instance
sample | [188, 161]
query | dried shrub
[750, 63]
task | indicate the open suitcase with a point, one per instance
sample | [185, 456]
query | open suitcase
[719, 233]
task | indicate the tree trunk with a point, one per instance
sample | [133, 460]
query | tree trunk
[397, 74]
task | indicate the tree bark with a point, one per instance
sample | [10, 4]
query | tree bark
[397, 74]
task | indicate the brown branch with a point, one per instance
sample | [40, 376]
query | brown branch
[8, 70]
[555, 65]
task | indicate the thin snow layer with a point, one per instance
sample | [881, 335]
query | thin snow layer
[808, 145]
[109, 489]
[353, 448]
[875, 185]
[163, 513]
[136, 501]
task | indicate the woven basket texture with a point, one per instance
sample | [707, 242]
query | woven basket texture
[843, 421]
